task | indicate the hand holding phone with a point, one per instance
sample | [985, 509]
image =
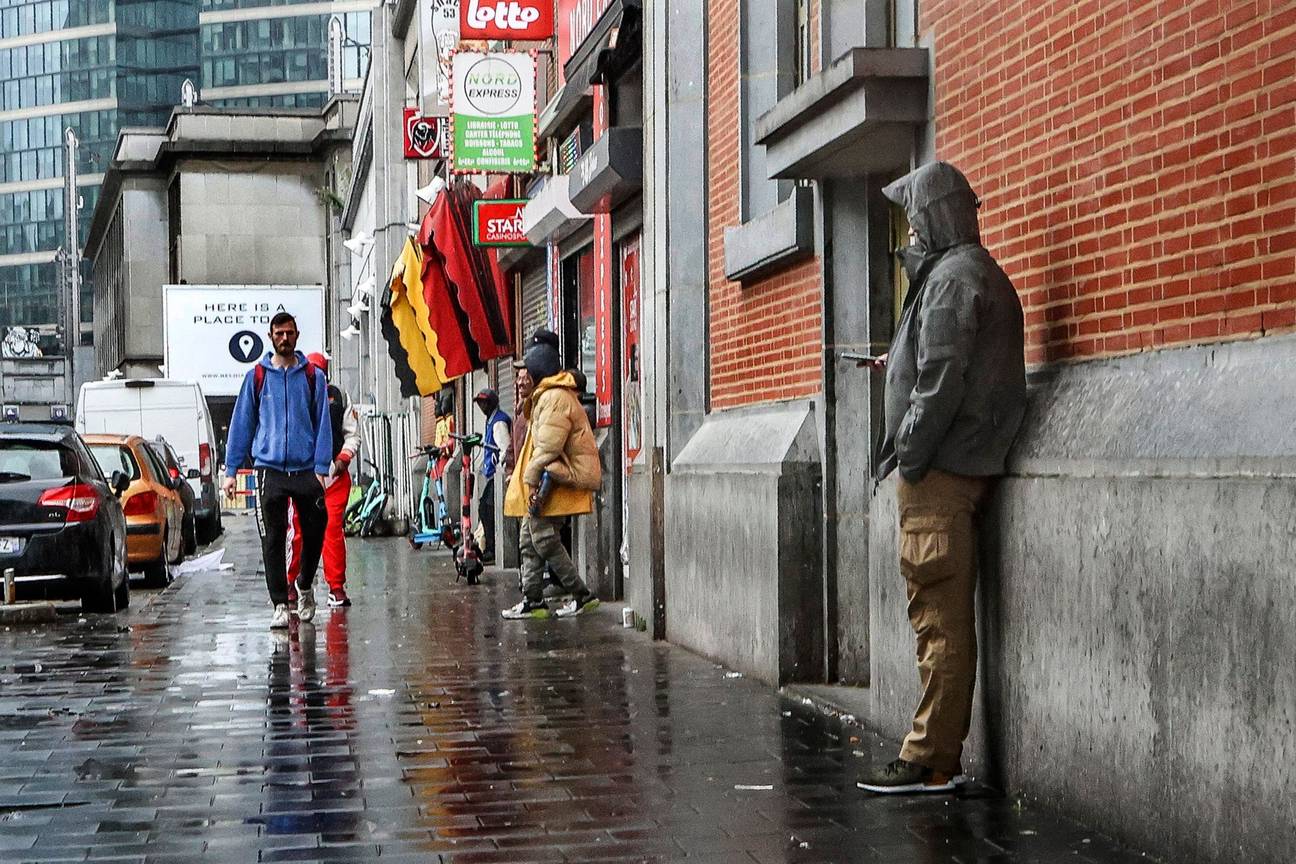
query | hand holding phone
[873, 361]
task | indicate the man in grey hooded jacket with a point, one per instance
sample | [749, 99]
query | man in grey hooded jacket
[955, 395]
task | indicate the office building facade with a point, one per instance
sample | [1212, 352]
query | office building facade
[263, 54]
[99, 66]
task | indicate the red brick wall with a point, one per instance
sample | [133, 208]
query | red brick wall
[765, 337]
[1137, 162]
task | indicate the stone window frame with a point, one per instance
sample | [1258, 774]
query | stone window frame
[775, 216]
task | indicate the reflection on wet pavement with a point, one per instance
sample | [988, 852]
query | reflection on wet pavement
[416, 726]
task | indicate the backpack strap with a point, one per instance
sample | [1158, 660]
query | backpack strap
[258, 384]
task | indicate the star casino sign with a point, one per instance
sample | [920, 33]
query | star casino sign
[425, 137]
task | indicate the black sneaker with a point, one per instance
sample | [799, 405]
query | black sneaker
[901, 777]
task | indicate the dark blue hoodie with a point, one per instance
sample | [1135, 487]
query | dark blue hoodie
[284, 436]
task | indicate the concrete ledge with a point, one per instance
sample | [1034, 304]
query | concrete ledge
[1226, 410]
[744, 582]
[38, 612]
[773, 241]
[856, 117]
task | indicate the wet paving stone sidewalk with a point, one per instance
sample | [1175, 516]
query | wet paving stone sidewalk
[417, 726]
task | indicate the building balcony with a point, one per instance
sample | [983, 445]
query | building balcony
[856, 117]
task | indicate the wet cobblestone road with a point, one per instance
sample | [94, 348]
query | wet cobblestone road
[419, 727]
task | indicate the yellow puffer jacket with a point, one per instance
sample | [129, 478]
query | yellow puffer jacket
[559, 440]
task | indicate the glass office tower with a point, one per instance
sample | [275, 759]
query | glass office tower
[92, 66]
[263, 53]
[100, 65]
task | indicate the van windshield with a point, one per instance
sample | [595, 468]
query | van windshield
[113, 457]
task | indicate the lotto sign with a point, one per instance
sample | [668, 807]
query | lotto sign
[499, 223]
[519, 20]
[425, 137]
[494, 112]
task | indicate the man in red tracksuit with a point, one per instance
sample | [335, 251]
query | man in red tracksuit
[345, 421]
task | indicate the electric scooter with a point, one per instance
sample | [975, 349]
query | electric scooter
[431, 517]
[467, 555]
[361, 516]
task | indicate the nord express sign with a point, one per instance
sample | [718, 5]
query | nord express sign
[516, 20]
[498, 222]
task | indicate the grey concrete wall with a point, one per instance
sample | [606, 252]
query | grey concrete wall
[252, 224]
[743, 563]
[686, 229]
[145, 266]
[1138, 614]
[856, 319]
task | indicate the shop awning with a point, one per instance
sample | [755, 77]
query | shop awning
[550, 215]
[609, 172]
[856, 117]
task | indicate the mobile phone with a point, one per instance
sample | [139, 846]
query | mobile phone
[860, 358]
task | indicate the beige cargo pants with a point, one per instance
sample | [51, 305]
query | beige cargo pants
[938, 558]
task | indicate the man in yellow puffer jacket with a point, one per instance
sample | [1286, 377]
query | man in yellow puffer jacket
[561, 443]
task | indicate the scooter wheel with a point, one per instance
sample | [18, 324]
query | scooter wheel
[417, 545]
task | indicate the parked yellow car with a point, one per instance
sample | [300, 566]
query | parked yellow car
[154, 511]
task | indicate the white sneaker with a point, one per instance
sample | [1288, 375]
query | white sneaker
[574, 607]
[305, 602]
[525, 610]
[279, 620]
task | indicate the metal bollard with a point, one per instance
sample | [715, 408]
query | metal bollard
[10, 589]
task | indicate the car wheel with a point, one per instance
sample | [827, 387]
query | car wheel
[190, 532]
[156, 574]
[99, 594]
[209, 529]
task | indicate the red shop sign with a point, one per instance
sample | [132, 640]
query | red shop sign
[425, 137]
[515, 20]
[498, 222]
[576, 20]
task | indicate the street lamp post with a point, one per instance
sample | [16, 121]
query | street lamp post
[72, 261]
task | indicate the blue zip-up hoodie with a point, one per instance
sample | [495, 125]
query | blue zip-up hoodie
[284, 437]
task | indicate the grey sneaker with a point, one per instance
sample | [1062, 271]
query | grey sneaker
[279, 620]
[305, 603]
[900, 777]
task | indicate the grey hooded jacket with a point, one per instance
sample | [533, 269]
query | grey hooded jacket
[956, 373]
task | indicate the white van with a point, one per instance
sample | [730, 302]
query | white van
[174, 410]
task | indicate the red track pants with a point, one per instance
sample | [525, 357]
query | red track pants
[335, 502]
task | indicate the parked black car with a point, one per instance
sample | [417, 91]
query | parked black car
[170, 460]
[61, 527]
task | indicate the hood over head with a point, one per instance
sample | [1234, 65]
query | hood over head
[318, 360]
[542, 361]
[940, 205]
[545, 336]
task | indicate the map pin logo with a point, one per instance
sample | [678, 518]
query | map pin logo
[245, 346]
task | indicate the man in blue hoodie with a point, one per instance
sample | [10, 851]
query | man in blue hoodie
[281, 426]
